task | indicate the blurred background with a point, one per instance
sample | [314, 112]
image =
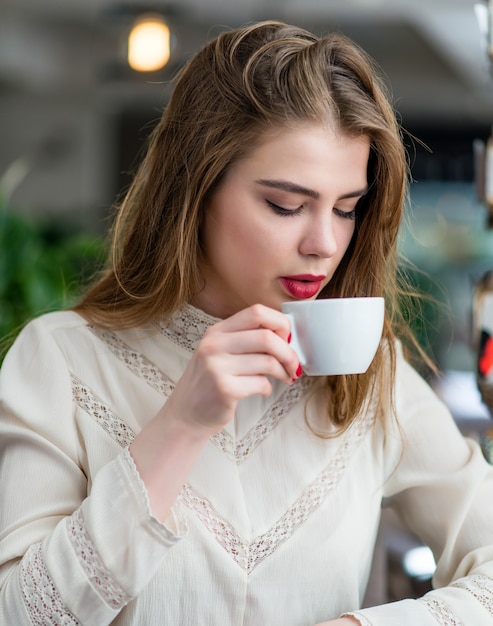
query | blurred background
[74, 116]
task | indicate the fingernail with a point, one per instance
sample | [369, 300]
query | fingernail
[289, 338]
[299, 371]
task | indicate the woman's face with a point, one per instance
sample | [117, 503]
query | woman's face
[280, 222]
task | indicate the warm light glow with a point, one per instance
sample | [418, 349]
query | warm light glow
[148, 45]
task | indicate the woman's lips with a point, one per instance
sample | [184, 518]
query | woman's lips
[302, 286]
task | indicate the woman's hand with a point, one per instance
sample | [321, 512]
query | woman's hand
[342, 621]
[234, 360]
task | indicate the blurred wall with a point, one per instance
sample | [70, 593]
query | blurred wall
[69, 148]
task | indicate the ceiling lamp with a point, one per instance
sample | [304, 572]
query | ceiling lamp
[148, 44]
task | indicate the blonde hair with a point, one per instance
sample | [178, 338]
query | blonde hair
[240, 85]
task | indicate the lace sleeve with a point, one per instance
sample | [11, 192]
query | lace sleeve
[94, 562]
[43, 603]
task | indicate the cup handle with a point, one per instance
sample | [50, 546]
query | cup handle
[295, 343]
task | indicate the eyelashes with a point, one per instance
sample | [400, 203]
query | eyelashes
[347, 215]
[279, 210]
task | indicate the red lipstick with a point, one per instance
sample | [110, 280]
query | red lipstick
[302, 286]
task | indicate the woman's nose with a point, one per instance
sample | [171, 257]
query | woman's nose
[319, 238]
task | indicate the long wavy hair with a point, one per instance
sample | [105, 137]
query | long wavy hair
[242, 84]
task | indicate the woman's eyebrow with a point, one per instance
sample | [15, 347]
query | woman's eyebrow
[291, 187]
[286, 185]
[359, 193]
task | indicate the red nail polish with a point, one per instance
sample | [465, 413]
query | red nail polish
[299, 371]
[289, 338]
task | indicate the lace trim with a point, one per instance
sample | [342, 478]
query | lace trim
[135, 361]
[149, 372]
[92, 564]
[187, 326]
[128, 458]
[248, 555]
[481, 587]
[96, 408]
[254, 437]
[441, 612]
[44, 604]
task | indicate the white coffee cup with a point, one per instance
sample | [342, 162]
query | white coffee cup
[335, 335]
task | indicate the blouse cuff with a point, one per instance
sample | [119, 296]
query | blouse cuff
[131, 542]
[175, 526]
[102, 556]
[407, 612]
[361, 618]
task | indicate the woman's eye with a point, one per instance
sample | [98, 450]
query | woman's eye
[279, 210]
[347, 215]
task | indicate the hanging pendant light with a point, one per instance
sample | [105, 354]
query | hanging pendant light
[148, 44]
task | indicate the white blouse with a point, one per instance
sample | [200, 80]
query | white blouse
[275, 526]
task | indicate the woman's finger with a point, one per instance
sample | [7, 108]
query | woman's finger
[258, 341]
[257, 316]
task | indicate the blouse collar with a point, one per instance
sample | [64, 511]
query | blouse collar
[187, 326]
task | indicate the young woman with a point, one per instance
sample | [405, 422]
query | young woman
[164, 460]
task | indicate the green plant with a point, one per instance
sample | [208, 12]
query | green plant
[43, 264]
